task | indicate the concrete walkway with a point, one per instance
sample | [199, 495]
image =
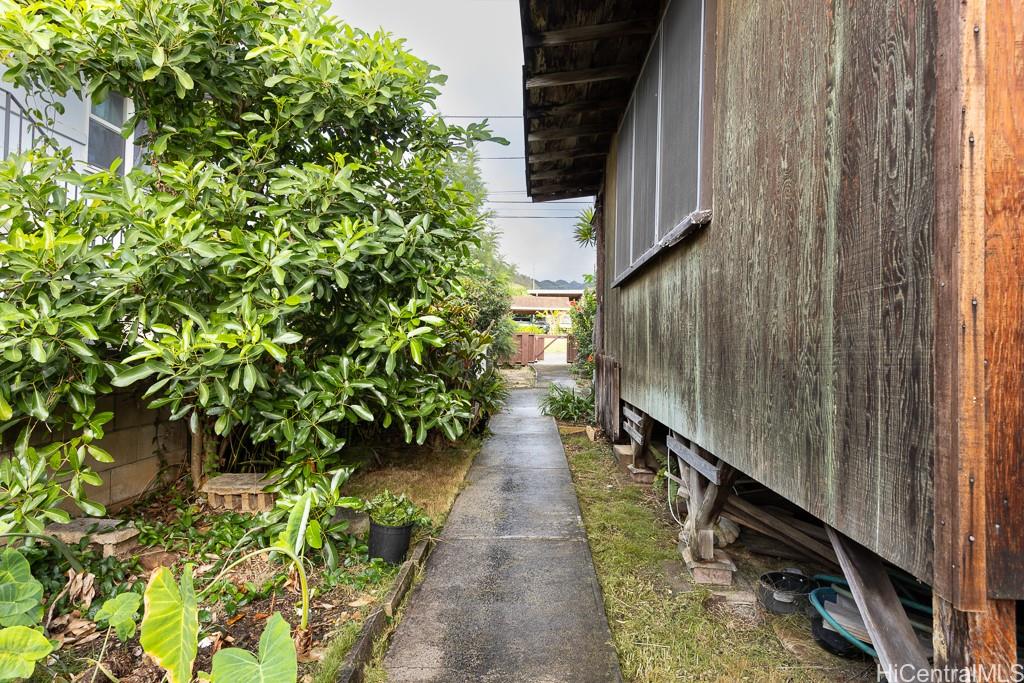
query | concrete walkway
[510, 592]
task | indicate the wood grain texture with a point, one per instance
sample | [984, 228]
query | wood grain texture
[892, 636]
[968, 639]
[1004, 296]
[959, 469]
[793, 336]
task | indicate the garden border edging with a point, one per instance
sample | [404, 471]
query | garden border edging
[355, 661]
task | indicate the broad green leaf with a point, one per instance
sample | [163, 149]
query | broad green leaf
[120, 613]
[158, 56]
[20, 648]
[170, 625]
[314, 537]
[20, 593]
[183, 78]
[361, 411]
[135, 373]
[293, 534]
[275, 662]
[287, 338]
[5, 410]
[36, 350]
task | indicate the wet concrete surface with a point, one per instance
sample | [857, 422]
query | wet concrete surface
[510, 592]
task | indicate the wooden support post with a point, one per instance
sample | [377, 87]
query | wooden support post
[899, 652]
[978, 467]
[197, 456]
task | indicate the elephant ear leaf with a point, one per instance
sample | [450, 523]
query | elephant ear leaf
[20, 649]
[170, 625]
[20, 594]
[120, 612]
[275, 663]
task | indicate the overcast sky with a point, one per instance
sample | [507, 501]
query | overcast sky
[477, 44]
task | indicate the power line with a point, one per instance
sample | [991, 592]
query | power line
[495, 116]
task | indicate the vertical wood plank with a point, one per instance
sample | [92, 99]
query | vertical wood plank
[979, 153]
[1004, 296]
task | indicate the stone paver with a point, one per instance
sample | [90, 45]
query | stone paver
[510, 592]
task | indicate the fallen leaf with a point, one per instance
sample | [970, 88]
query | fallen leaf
[361, 602]
[235, 619]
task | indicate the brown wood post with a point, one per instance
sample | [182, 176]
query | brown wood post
[979, 330]
[197, 456]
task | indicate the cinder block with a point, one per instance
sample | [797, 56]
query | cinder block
[128, 481]
[131, 412]
[172, 440]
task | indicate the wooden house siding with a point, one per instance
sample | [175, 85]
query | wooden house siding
[793, 336]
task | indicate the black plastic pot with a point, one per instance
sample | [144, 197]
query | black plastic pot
[390, 543]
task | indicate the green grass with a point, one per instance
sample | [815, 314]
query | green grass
[336, 651]
[661, 635]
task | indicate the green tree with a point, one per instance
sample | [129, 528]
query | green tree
[282, 265]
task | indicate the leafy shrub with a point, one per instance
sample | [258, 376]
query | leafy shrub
[583, 314]
[387, 509]
[286, 265]
[528, 328]
[566, 405]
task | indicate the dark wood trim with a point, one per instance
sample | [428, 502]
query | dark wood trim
[555, 196]
[578, 107]
[588, 188]
[559, 133]
[601, 73]
[570, 172]
[688, 226]
[559, 154]
[577, 34]
[899, 652]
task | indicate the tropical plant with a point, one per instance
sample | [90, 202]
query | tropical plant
[567, 405]
[20, 648]
[388, 509]
[307, 520]
[275, 661]
[280, 267]
[170, 625]
[170, 629]
[584, 230]
[120, 613]
[583, 314]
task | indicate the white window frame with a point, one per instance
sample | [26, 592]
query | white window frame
[128, 156]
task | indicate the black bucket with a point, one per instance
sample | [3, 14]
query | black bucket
[390, 543]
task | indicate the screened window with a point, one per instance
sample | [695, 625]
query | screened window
[662, 160]
[105, 142]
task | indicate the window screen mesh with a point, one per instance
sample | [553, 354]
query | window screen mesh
[645, 154]
[624, 193]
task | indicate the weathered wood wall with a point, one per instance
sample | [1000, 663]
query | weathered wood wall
[793, 336]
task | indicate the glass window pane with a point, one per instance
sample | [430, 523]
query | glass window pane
[105, 145]
[110, 110]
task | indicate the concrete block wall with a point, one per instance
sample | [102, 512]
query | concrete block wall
[145, 445]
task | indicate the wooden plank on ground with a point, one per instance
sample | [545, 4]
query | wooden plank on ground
[899, 651]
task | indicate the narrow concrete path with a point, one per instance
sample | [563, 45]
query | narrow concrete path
[510, 592]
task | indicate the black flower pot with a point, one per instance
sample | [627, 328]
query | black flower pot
[390, 543]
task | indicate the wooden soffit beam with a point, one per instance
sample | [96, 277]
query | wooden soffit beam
[559, 133]
[577, 34]
[601, 73]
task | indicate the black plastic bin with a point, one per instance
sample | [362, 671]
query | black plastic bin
[390, 543]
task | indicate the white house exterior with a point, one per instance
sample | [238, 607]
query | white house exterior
[93, 133]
